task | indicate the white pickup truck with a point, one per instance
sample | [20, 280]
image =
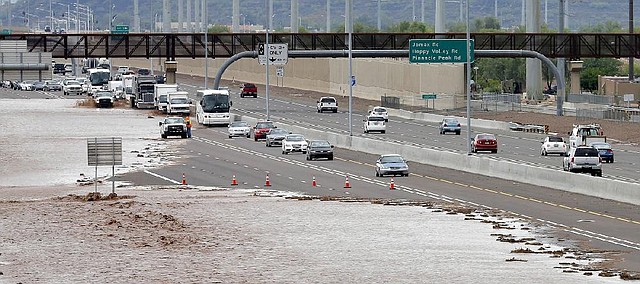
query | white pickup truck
[583, 134]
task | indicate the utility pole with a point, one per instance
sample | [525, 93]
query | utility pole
[180, 18]
[631, 75]
[440, 17]
[136, 16]
[189, 21]
[294, 16]
[328, 16]
[235, 16]
[379, 17]
[560, 61]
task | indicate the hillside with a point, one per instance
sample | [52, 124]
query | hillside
[312, 12]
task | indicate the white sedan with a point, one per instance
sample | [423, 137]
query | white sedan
[553, 145]
[294, 143]
[239, 128]
[380, 111]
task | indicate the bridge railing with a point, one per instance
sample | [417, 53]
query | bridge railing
[190, 45]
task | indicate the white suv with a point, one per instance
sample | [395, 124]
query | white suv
[327, 104]
[375, 123]
[583, 159]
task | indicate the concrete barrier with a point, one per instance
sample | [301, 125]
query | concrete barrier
[577, 183]
[436, 118]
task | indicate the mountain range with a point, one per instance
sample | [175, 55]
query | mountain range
[581, 13]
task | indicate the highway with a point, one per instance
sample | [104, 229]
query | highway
[518, 147]
[212, 159]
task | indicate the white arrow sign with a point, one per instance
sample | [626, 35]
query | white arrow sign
[277, 54]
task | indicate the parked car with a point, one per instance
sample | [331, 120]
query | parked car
[294, 143]
[319, 149]
[104, 98]
[450, 124]
[380, 111]
[249, 89]
[583, 159]
[327, 104]
[52, 85]
[605, 151]
[391, 164]
[173, 126]
[484, 142]
[261, 129]
[275, 136]
[553, 145]
[38, 86]
[239, 128]
[374, 123]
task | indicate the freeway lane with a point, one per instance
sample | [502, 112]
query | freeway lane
[212, 159]
[518, 147]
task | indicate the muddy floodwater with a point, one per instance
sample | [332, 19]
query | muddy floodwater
[50, 233]
[44, 141]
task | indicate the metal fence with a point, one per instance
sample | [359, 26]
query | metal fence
[418, 103]
[501, 102]
[621, 114]
[590, 99]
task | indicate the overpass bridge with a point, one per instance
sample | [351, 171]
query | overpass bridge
[223, 45]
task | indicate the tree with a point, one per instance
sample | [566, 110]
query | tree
[486, 24]
[219, 29]
[358, 27]
[593, 67]
[492, 70]
[410, 27]
[606, 27]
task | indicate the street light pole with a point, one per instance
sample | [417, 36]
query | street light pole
[350, 27]
[468, 83]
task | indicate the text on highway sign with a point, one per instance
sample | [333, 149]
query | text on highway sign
[439, 51]
[278, 54]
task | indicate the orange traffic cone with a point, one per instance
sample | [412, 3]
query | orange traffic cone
[346, 183]
[392, 185]
[267, 182]
[313, 183]
[234, 181]
[184, 179]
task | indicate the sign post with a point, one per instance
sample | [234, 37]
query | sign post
[104, 152]
[447, 51]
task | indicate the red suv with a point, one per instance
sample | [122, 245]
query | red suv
[261, 129]
[249, 89]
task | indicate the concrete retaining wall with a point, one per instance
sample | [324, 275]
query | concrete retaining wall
[578, 183]
[375, 77]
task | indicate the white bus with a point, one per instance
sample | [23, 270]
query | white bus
[98, 79]
[213, 108]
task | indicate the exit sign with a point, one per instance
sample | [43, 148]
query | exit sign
[439, 51]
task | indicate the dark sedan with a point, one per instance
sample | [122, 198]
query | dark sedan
[319, 149]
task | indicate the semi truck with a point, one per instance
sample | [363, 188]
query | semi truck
[161, 92]
[127, 83]
[144, 89]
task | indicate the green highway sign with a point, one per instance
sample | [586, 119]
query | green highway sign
[439, 51]
[6, 32]
[121, 29]
[429, 96]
